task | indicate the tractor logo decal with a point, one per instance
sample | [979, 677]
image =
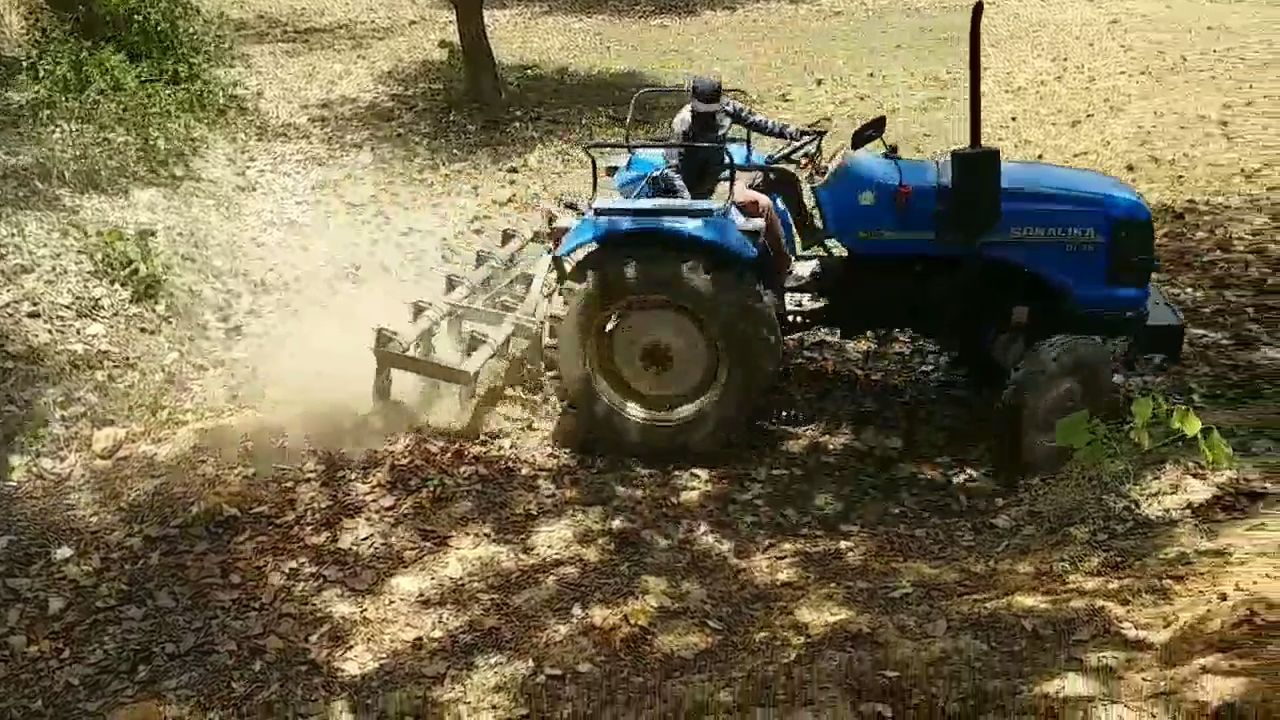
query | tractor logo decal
[1076, 234]
[867, 198]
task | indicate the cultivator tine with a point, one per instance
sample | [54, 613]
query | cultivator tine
[453, 332]
[493, 295]
[452, 282]
[382, 340]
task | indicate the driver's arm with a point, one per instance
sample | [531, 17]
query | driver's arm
[744, 116]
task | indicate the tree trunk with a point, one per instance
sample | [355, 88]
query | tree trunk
[483, 81]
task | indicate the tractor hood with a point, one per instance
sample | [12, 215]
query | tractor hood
[1054, 184]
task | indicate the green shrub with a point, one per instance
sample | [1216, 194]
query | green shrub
[131, 261]
[113, 87]
[1153, 424]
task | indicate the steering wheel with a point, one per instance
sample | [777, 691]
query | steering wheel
[796, 148]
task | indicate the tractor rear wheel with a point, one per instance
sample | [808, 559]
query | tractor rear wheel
[661, 350]
[1057, 377]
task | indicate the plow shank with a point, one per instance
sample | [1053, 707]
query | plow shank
[480, 314]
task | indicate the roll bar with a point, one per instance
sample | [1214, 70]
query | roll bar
[650, 144]
[669, 90]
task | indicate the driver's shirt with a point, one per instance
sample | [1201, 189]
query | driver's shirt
[694, 172]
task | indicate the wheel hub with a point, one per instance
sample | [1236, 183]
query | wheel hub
[660, 352]
[656, 357]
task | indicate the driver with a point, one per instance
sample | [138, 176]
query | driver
[694, 172]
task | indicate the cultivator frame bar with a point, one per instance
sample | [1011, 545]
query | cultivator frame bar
[500, 299]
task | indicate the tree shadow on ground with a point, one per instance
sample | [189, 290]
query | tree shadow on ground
[300, 31]
[425, 110]
[703, 590]
[36, 178]
[1217, 259]
[24, 376]
[445, 573]
[25, 182]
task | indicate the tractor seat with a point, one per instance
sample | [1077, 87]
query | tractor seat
[656, 207]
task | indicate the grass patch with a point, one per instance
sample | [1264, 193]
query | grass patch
[131, 261]
[117, 90]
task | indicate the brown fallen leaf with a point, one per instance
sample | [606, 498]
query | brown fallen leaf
[145, 710]
[17, 643]
[463, 541]
[875, 710]
[360, 581]
[1084, 634]
[640, 614]
[55, 604]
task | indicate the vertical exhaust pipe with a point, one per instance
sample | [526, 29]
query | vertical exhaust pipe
[975, 192]
[975, 76]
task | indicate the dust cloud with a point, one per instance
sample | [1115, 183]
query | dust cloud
[339, 251]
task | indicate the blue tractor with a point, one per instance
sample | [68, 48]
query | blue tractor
[668, 328]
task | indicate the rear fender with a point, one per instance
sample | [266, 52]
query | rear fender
[715, 237]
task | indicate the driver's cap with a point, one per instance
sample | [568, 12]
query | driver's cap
[705, 94]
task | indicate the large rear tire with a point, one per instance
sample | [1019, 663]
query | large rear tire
[1057, 377]
[661, 350]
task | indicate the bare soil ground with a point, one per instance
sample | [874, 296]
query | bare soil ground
[230, 550]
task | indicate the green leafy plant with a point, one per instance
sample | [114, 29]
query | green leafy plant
[112, 88]
[131, 261]
[1153, 423]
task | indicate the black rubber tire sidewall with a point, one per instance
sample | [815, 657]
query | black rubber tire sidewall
[1022, 407]
[728, 301]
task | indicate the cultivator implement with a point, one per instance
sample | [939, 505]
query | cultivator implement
[456, 339]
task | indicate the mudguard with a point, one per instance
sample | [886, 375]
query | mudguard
[702, 223]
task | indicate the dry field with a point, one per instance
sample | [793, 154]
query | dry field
[853, 560]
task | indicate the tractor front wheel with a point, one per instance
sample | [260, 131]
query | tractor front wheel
[1057, 377]
[662, 350]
